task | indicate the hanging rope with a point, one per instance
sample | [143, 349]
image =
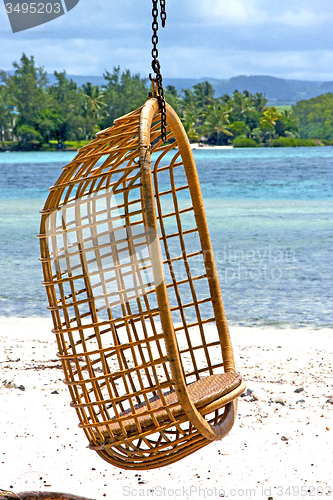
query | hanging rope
[156, 64]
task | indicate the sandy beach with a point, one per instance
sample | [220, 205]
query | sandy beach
[280, 447]
[196, 145]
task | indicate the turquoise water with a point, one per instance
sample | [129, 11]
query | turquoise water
[270, 218]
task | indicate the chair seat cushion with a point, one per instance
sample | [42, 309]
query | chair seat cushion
[202, 392]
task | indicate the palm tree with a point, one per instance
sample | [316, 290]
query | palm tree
[190, 114]
[270, 116]
[204, 94]
[92, 104]
[216, 123]
[94, 99]
[241, 105]
[268, 121]
[259, 102]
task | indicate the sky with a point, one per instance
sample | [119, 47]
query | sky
[202, 38]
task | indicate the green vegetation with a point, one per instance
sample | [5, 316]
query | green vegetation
[284, 107]
[34, 114]
[287, 142]
[314, 117]
[37, 115]
[243, 142]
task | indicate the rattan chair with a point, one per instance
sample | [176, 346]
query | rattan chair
[134, 295]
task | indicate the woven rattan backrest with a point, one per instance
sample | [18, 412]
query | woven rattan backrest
[101, 280]
[184, 269]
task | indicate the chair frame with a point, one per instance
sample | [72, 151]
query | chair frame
[148, 423]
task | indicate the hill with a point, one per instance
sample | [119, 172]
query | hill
[277, 90]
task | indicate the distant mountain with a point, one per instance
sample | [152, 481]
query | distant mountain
[277, 90]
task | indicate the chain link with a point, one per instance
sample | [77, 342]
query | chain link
[163, 12]
[156, 64]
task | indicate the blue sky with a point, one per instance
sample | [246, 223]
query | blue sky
[202, 38]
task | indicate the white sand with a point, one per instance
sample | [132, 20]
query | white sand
[42, 448]
[195, 145]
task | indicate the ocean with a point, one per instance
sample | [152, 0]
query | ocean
[269, 212]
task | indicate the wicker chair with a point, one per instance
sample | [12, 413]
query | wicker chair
[135, 298]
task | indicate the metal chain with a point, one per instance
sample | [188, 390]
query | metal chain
[163, 12]
[156, 64]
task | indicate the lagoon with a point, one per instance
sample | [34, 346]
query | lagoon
[270, 218]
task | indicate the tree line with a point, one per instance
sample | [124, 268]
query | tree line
[36, 114]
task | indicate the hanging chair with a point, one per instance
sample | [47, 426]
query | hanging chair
[135, 298]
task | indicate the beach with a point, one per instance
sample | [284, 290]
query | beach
[269, 212]
[199, 145]
[280, 446]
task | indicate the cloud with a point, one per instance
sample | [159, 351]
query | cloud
[217, 38]
[259, 12]
[312, 65]
[238, 12]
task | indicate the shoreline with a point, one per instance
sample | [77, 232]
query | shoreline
[281, 438]
[32, 327]
[194, 146]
